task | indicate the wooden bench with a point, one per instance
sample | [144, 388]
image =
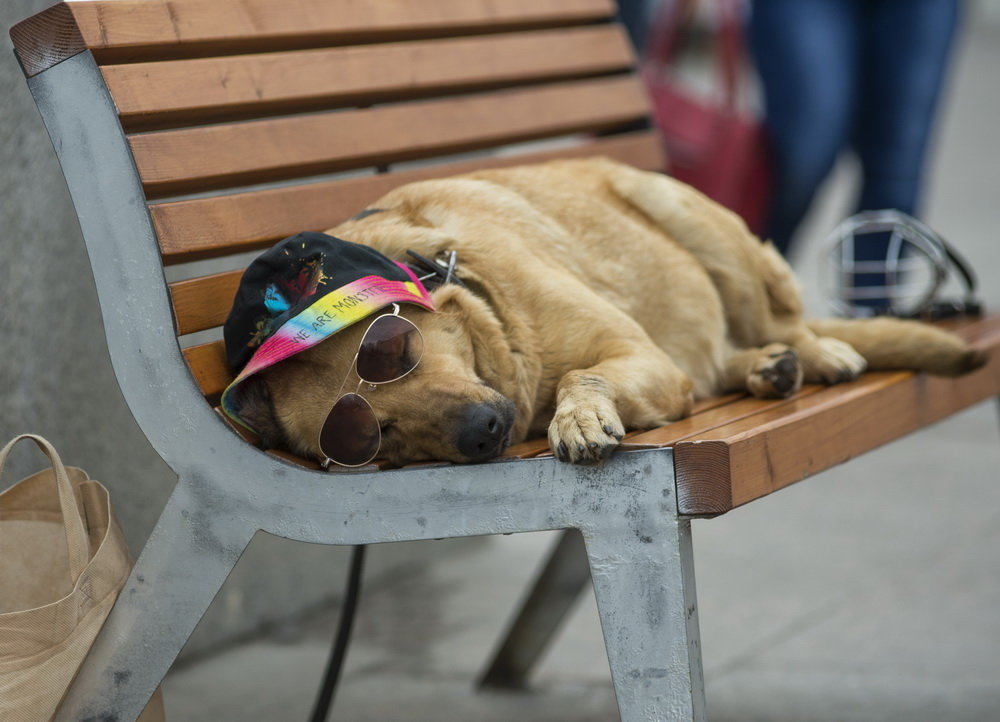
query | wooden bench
[194, 130]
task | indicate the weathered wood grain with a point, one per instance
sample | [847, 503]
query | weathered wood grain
[209, 227]
[184, 92]
[119, 31]
[207, 363]
[204, 302]
[218, 156]
[47, 38]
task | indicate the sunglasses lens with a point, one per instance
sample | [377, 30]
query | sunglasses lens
[350, 434]
[391, 348]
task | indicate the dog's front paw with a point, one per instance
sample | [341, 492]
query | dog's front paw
[585, 433]
[830, 361]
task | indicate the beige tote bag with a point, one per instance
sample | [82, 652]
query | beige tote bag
[63, 561]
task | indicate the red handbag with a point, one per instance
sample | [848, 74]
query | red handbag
[715, 145]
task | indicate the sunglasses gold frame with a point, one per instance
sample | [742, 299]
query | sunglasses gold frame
[327, 460]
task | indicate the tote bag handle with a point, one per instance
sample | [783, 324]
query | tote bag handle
[77, 540]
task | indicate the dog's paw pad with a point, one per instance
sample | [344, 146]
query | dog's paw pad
[583, 434]
[777, 374]
[831, 361]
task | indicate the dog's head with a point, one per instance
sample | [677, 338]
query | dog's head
[446, 409]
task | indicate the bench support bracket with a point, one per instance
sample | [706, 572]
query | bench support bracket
[646, 599]
[623, 610]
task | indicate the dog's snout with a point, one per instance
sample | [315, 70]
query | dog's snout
[483, 432]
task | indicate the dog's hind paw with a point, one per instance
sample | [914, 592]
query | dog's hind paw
[585, 433]
[830, 361]
[777, 373]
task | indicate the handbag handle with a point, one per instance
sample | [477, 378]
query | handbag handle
[673, 19]
[78, 542]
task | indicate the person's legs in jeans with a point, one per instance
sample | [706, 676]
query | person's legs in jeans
[905, 50]
[906, 46]
[806, 53]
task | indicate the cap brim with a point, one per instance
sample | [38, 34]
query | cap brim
[332, 312]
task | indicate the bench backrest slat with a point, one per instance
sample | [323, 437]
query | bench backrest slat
[199, 302]
[207, 362]
[220, 156]
[157, 95]
[118, 31]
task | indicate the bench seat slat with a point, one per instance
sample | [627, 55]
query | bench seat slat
[540, 446]
[160, 94]
[715, 402]
[119, 31]
[749, 458]
[712, 418]
[706, 415]
[195, 159]
[208, 227]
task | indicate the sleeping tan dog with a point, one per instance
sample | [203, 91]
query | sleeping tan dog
[598, 298]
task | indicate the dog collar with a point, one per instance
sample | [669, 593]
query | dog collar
[438, 272]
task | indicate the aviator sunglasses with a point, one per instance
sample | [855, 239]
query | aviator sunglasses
[390, 349]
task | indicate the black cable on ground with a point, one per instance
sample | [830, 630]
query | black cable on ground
[321, 709]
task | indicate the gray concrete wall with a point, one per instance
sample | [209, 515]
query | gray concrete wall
[56, 377]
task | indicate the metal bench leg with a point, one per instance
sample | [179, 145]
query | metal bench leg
[553, 593]
[183, 565]
[644, 582]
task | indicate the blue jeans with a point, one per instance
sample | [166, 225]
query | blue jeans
[860, 74]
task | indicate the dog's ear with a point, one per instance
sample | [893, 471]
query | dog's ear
[492, 340]
[257, 409]
[480, 322]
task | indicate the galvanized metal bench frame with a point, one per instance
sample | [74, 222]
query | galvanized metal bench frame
[633, 512]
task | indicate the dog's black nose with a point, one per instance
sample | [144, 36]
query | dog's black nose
[482, 432]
